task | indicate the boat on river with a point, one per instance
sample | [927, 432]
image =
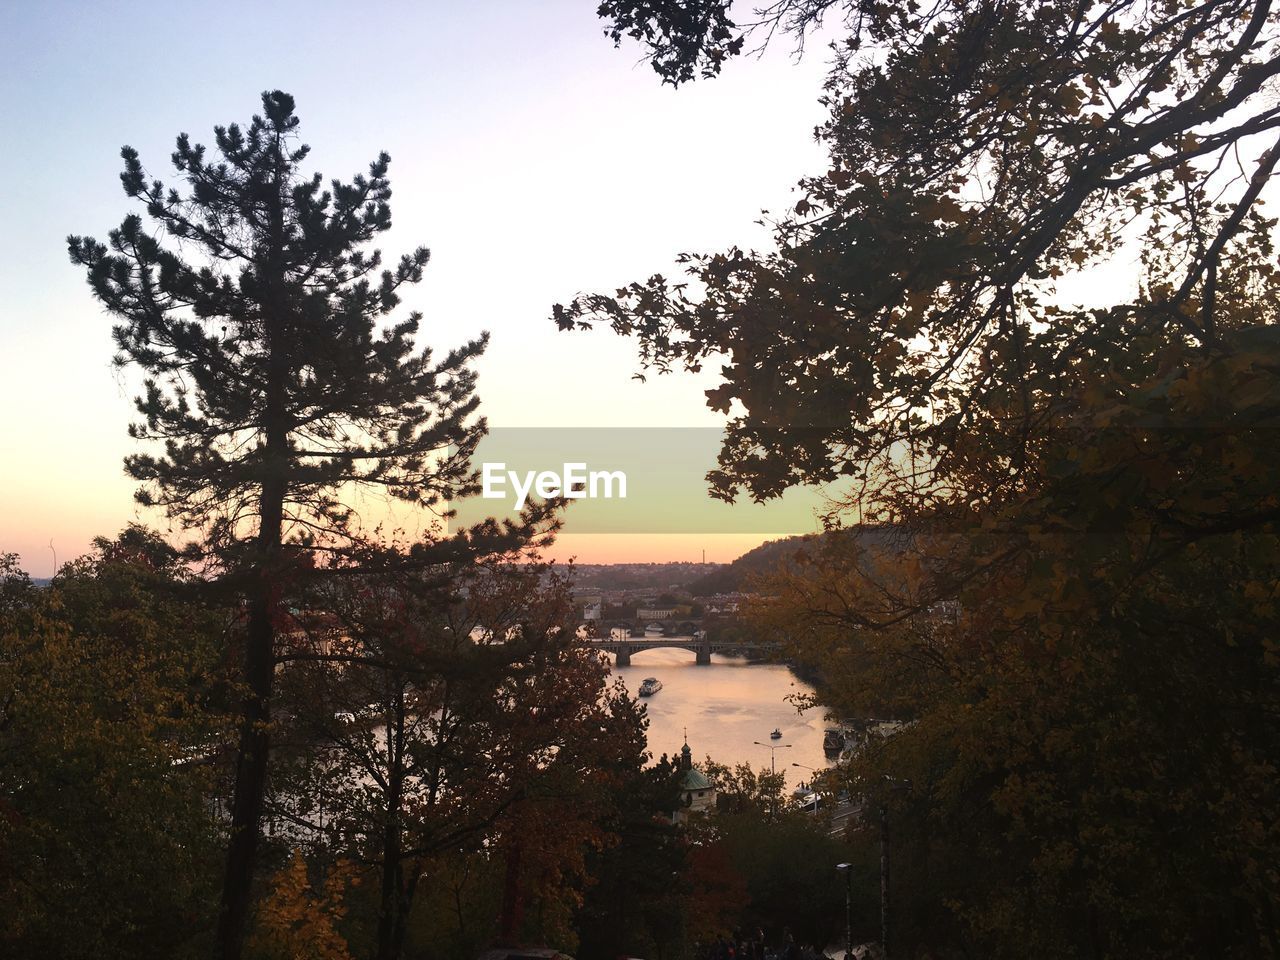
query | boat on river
[776, 735]
[833, 740]
[649, 686]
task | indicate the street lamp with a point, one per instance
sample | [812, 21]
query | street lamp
[812, 780]
[847, 870]
[773, 771]
[772, 747]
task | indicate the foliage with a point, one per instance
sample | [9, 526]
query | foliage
[1097, 707]
[787, 870]
[297, 922]
[715, 894]
[635, 904]
[457, 914]
[683, 39]
[738, 575]
[452, 713]
[906, 330]
[766, 865]
[16, 591]
[267, 359]
[1077, 617]
[741, 788]
[107, 714]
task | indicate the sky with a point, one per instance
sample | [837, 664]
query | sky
[533, 158]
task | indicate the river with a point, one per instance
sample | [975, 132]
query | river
[726, 707]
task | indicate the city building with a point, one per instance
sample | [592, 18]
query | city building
[655, 613]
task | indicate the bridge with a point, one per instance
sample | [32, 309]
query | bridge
[701, 645]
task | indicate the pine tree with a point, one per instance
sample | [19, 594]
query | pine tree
[273, 383]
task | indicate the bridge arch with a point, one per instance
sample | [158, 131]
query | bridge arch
[623, 649]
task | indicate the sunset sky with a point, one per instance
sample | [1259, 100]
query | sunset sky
[533, 158]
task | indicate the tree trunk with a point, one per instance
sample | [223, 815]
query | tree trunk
[512, 899]
[392, 908]
[392, 884]
[402, 917]
[259, 650]
[251, 774]
[255, 733]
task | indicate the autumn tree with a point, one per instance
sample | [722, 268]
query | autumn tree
[587, 739]
[682, 40]
[1092, 715]
[109, 704]
[787, 874]
[757, 863]
[299, 918]
[471, 722]
[275, 383]
[16, 592]
[1078, 616]
[636, 903]
[742, 788]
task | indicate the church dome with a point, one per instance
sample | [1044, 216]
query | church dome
[695, 780]
[693, 777]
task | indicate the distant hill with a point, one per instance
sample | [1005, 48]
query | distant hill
[772, 555]
[640, 576]
[763, 559]
[706, 579]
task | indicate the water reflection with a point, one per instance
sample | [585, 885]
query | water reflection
[726, 707]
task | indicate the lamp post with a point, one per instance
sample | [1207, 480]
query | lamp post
[847, 870]
[772, 747]
[773, 770]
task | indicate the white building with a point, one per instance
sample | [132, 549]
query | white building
[655, 613]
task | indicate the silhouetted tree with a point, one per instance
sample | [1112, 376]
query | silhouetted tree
[905, 322]
[1087, 650]
[273, 383]
[639, 890]
[683, 39]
